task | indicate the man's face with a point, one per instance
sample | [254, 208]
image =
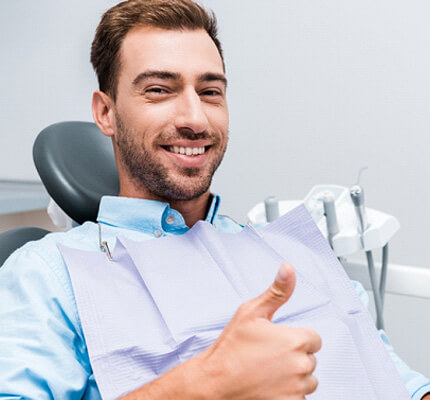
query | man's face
[171, 112]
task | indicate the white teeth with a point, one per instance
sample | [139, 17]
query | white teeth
[189, 151]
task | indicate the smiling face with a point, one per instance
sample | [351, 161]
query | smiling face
[170, 117]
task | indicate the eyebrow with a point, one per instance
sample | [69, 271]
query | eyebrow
[167, 75]
[211, 76]
[143, 76]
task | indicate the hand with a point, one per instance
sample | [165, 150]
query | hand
[254, 358]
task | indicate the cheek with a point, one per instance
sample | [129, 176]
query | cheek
[224, 124]
[219, 119]
[149, 122]
[154, 119]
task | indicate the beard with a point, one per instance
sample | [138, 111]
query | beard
[149, 173]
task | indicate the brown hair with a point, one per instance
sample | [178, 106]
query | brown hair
[120, 19]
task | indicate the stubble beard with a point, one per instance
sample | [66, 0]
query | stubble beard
[150, 174]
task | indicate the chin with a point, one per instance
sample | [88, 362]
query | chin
[185, 188]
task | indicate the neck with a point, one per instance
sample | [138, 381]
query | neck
[192, 210]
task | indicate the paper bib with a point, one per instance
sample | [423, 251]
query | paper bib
[162, 301]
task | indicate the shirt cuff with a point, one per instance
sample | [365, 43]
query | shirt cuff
[421, 392]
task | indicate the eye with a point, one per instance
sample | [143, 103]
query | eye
[156, 90]
[211, 92]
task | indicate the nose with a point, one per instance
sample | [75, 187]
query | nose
[190, 112]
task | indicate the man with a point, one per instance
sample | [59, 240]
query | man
[162, 100]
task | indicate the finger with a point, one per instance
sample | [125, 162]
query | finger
[311, 340]
[312, 363]
[310, 384]
[304, 364]
[265, 305]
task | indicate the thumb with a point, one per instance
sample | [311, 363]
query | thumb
[278, 293]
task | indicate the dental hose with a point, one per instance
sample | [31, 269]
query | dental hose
[376, 292]
[357, 197]
[383, 279]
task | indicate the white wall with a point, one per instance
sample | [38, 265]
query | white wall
[45, 73]
[317, 89]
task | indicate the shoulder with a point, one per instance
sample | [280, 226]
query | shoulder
[44, 257]
[38, 266]
[45, 251]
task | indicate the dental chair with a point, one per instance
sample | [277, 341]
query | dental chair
[15, 238]
[76, 164]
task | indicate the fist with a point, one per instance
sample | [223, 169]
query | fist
[256, 359]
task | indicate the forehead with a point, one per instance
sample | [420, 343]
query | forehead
[189, 53]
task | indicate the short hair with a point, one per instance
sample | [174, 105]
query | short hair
[120, 19]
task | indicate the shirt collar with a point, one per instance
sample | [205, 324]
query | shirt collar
[147, 215]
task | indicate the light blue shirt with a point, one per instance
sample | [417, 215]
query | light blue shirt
[43, 354]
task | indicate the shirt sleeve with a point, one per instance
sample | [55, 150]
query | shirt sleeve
[42, 353]
[416, 384]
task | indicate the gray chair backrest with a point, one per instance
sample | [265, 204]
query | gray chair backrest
[77, 166]
[15, 238]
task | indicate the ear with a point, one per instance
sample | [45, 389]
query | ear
[104, 112]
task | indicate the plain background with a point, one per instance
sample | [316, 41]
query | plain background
[317, 89]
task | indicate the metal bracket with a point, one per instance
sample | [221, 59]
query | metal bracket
[249, 224]
[103, 244]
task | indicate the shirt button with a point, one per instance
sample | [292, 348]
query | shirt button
[170, 219]
[157, 233]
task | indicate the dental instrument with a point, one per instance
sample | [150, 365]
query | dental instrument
[271, 206]
[330, 214]
[349, 226]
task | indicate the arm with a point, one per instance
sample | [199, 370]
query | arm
[417, 384]
[183, 382]
[227, 369]
[42, 355]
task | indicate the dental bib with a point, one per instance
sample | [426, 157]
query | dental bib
[160, 302]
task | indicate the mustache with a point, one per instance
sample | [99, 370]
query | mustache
[187, 134]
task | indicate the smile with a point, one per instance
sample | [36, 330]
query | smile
[188, 151]
[189, 154]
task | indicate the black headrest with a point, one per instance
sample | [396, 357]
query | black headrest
[77, 166]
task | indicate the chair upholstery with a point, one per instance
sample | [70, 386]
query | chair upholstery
[15, 238]
[77, 166]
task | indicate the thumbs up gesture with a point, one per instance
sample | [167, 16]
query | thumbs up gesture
[252, 359]
[256, 359]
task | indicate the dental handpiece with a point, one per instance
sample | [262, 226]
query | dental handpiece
[330, 215]
[271, 206]
[357, 197]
